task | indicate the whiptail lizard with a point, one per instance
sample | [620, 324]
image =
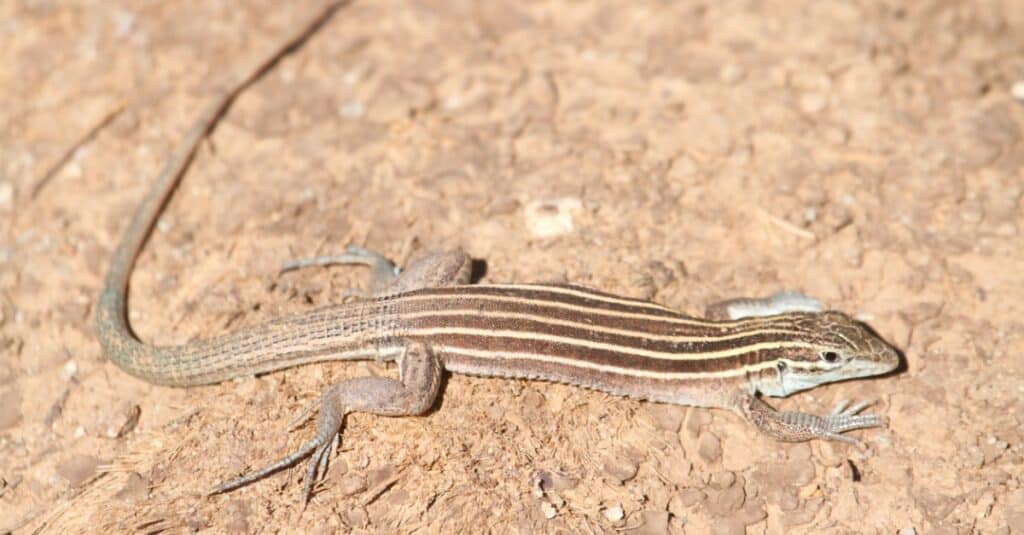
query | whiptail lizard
[430, 319]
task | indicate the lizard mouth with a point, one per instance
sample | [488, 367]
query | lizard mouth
[884, 359]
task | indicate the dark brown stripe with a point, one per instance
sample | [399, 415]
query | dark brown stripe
[668, 391]
[546, 304]
[499, 344]
[538, 292]
[637, 340]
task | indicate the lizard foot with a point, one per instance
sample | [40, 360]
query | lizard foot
[320, 447]
[413, 393]
[382, 271]
[794, 426]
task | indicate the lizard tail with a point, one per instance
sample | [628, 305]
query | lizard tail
[115, 335]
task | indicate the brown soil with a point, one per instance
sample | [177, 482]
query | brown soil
[867, 154]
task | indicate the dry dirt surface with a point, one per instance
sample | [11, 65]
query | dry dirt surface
[861, 152]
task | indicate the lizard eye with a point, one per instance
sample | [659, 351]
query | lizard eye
[782, 366]
[830, 356]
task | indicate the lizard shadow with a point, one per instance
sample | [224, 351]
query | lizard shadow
[477, 270]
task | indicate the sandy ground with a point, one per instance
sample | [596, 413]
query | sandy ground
[867, 154]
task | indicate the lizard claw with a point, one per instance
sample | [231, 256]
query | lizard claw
[317, 466]
[844, 407]
[846, 417]
[283, 463]
[320, 447]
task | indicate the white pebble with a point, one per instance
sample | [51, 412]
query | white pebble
[69, 370]
[1017, 90]
[6, 193]
[614, 513]
[552, 217]
[124, 23]
[453, 102]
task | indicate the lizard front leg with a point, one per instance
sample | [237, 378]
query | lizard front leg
[413, 393]
[790, 426]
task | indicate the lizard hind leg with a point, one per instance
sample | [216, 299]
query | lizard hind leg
[413, 393]
[437, 268]
[748, 307]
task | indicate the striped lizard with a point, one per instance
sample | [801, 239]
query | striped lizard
[429, 318]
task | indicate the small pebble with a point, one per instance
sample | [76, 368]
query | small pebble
[620, 468]
[731, 73]
[377, 477]
[726, 502]
[810, 491]
[908, 531]
[696, 419]
[6, 194]
[123, 421]
[78, 469]
[350, 484]
[357, 517]
[655, 523]
[547, 481]
[710, 447]
[667, 417]
[1017, 90]
[548, 510]
[551, 218]
[68, 371]
[813, 102]
[10, 409]
[538, 489]
[722, 480]
[135, 487]
[614, 514]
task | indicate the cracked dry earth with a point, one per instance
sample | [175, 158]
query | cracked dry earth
[862, 152]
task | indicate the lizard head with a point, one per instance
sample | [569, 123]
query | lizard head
[838, 348]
